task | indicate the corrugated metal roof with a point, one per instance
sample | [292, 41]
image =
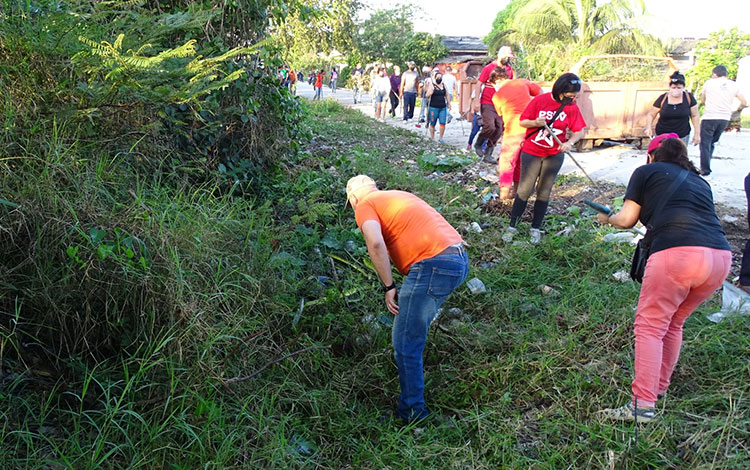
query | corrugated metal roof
[464, 44]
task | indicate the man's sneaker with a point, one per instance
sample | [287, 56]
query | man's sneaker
[441, 141]
[630, 413]
[508, 234]
[450, 118]
[535, 235]
[421, 119]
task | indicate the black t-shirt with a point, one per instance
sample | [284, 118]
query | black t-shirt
[687, 219]
[674, 117]
[437, 100]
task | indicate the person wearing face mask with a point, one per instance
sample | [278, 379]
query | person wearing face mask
[408, 91]
[492, 123]
[504, 54]
[437, 95]
[541, 155]
[676, 109]
[492, 128]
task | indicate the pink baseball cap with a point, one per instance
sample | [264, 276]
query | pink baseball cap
[656, 141]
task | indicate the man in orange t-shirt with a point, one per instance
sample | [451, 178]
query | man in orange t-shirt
[429, 252]
[510, 100]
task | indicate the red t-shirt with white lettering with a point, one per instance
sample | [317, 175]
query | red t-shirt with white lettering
[541, 144]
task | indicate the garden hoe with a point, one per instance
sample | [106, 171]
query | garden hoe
[606, 210]
[546, 126]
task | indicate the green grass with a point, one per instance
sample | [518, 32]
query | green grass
[235, 282]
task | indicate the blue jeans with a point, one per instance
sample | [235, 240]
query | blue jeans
[410, 99]
[711, 130]
[437, 114]
[427, 285]
[475, 127]
[423, 104]
[318, 93]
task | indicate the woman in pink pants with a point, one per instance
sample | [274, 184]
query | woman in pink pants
[690, 258]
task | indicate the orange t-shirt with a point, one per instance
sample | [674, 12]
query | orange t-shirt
[510, 101]
[412, 230]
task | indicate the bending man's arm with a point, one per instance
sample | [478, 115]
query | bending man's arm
[379, 255]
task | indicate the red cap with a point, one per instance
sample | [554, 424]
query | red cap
[656, 141]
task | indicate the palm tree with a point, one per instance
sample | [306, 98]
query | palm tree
[572, 28]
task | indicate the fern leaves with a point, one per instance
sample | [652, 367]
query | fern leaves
[180, 69]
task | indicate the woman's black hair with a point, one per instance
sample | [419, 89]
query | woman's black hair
[673, 151]
[677, 79]
[566, 83]
[496, 74]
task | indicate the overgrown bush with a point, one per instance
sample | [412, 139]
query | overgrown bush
[101, 102]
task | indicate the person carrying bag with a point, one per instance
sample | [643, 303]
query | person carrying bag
[688, 258]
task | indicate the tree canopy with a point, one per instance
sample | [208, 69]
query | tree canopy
[553, 34]
[721, 48]
[388, 36]
[317, 26]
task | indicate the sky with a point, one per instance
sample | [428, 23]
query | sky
[669, 18]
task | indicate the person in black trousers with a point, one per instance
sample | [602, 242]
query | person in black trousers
[745, 268]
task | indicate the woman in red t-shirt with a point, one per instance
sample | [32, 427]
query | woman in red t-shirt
[541, 155]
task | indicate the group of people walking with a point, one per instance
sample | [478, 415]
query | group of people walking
[688, 257]
[678, 109]
[435, 88]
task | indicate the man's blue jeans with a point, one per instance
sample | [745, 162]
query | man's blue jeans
[711, 130]
[424, 104]
[427, 285]
[410, 99]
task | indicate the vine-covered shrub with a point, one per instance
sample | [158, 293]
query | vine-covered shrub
[127, 130]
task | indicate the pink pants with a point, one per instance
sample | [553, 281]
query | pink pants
[676, 281]
[509, 165]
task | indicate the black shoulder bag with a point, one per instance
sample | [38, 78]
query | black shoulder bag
[643, 249]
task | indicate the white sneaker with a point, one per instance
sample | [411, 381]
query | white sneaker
[535, 235]
[508, 234]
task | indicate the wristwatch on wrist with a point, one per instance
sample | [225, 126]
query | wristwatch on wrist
[387, 288]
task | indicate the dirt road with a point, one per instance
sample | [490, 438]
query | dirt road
[612, 164]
